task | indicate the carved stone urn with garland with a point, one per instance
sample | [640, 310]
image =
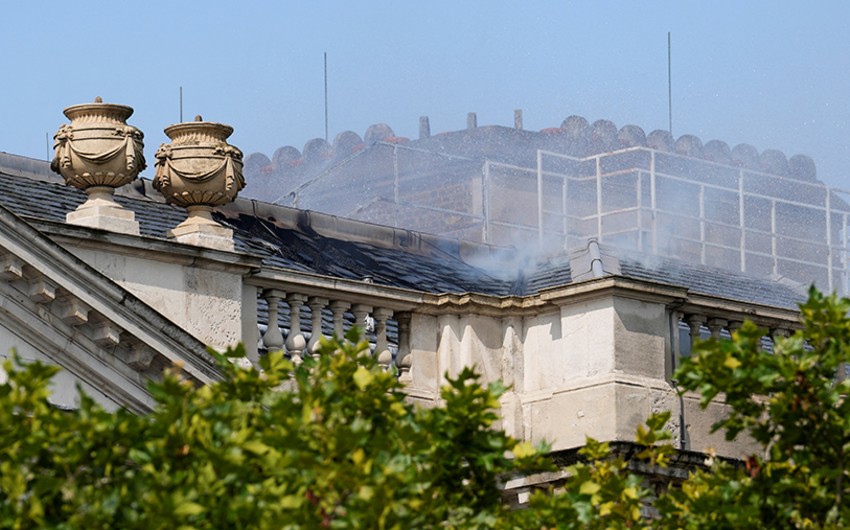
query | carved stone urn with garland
[98, 152]
[199, 170]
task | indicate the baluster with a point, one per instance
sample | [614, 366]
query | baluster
[295, 341]
[776, 333]
[273, 338]
[361, 315]
[694, 323]
[404, 360]
[338, 308]
[316, 305]
[734, 325]
[716, 325]
[382, 349]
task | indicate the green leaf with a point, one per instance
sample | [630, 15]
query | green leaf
[188, 509]
[366, 493]
[524, 449]
[589, 488]
[291, 502]
[363, 377]
[257, 447]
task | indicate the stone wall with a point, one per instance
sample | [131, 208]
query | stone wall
[587, 365]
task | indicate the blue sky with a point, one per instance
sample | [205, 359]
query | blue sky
[772, 74]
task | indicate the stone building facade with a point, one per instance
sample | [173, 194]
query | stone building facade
[587, 337]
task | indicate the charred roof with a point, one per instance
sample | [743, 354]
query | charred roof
[317, 243]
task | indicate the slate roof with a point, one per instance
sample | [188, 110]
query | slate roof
[712, 281]
[293, 248]
[305, 250]
[29, 190]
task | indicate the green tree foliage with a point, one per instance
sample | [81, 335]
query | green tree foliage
[329, 444]
[600, 492]
[792, 401]
[333, 444]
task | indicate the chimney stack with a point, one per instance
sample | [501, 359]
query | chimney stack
[518, 119]
[424, 127]
[471, 120]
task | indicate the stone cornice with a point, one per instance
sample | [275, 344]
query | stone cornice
[73, 351]
[336, 288]
[147, 247]
[102, 295]
[396, 298]
[678, 298]
[502, 306]
[615, 286]
[711, 306]
[479, 304]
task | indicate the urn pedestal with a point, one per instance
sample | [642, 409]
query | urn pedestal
[98, 152]
[199, 170]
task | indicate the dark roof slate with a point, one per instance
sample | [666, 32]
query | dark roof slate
[302, 249]
[712, 281]
[298, 249]
[305, 250]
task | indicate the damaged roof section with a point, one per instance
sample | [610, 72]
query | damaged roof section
[305, 250]
[326, 245]
[289, 238]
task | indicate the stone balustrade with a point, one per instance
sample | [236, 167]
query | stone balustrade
[307, 310]
[298, 316]
[701, 323]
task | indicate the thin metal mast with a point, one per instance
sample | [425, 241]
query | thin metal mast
[669, 83]
[326, 96]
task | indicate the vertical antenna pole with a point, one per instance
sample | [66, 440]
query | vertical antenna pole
[669, 83]
[326, 96]
[47, 145]
[181, 104]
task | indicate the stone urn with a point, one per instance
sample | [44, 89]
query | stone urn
[98, 152]
[199, 170]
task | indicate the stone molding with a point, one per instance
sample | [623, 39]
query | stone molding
[85, 318]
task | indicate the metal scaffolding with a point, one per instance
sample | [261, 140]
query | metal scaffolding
[638, 199]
